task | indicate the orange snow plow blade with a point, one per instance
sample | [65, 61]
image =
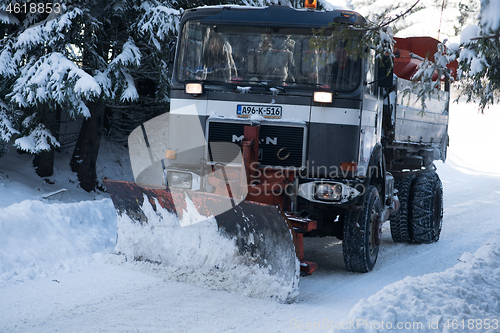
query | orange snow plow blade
[192, 230]
[198, 208]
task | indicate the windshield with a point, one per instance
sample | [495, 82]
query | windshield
[277, 57]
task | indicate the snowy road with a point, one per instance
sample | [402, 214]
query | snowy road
[107, 295]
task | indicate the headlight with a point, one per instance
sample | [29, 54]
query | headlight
[193, 88]
[330, 192]
[322, 97]
[179, 179]
[327, 192]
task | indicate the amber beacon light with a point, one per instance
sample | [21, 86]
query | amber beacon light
[310, 4]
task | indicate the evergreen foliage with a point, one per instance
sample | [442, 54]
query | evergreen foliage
[479, 57]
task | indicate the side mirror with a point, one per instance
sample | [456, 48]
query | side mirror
[385, 72]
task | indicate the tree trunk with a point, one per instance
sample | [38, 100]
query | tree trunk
[84, 158]
[44, 161]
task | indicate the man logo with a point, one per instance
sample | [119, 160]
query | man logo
[238, 138]
[267, 140]
[273, 141]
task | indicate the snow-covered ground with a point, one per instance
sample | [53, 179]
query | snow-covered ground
[58, 273]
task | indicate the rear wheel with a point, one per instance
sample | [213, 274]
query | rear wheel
[362, 234]
[426, 208]
[400, 227]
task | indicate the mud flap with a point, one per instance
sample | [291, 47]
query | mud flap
[260, 234]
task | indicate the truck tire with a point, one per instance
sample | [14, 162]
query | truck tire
[400, 222]
[360, 244]
[426, 208]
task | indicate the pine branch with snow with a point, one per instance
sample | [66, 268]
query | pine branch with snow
[39, 139]
[51, 33]
[119, 71]
[479, 57]
[427, 80]
[158, 23]
[7, 128]
[53, 78]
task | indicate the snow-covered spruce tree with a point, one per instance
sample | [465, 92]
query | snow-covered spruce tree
[153, 26]
[72, 62]
[108, 52]
[479, 56]
[32, 120]
[8, 116]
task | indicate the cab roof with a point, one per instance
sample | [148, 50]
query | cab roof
[279, 16]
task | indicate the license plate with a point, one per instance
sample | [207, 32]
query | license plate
[265, 111]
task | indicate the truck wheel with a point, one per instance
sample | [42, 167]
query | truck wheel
[426, 208]
[361, 234]
[400, 227]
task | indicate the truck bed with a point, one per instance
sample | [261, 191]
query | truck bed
[414, 125]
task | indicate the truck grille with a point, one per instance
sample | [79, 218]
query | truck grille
[272, 138]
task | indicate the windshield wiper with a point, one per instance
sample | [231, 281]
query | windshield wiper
[311, 84]
[232, 85]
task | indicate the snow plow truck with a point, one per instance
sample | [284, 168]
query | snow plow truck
[273, 138]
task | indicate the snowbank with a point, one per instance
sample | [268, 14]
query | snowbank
[38, 238]
[463, 298]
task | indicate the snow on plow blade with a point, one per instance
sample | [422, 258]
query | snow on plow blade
[245, 247]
